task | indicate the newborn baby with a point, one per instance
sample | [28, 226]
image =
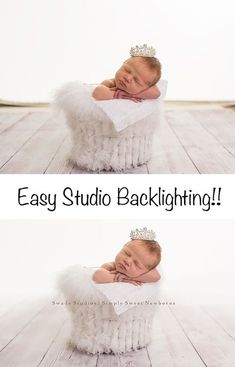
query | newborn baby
[136, 78]
[135, 263]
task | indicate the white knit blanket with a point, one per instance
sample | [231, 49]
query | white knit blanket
[124, 113]
[124, 296]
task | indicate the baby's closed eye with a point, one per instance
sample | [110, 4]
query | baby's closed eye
[137, 264]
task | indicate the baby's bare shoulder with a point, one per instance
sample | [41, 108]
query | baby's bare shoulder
[109, 266]
[110, 83]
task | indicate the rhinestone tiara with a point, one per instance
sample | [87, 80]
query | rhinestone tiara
[143, 50]
[142, 234]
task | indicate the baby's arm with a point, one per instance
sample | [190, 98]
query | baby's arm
[150, 93]
[110, 83]
[109, 266]
[150, 277]
[107, 274]
[102, 92]
[103, 276]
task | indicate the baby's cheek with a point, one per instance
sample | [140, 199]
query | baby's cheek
[134, 273]
[136, 90]
[139, 90]
[131, 90]
[140, 272]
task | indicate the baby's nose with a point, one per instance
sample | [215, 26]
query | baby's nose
[127, 262]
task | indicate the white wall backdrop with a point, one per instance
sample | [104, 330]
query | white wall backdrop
[197, 256]
[45, 43]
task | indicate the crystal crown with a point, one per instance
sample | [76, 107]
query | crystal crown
[143, 50]
[142, 234]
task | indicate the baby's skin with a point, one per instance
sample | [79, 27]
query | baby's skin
[132, 265]
[134, 81]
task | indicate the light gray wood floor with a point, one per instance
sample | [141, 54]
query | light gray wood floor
[34, 140]
[35, 333]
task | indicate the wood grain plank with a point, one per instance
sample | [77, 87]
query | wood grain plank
[213, 344]
[60, 351]
[177, 345]
[190, 142]
[9, 119]
[8, 302]
[143, 169]
[137, 358]
[220, 124]
[208, 155]
[12, 139]
[3, 115]
[13, 322]
[78, 170]
[83, 359]
[36, 154]
[137, 170]
[224, 316]
[169, 156]
[158, 350]
[30, 346]
[108, 360]
[61, 162]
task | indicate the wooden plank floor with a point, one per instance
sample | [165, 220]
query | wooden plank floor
[37, 141]
[36, 333]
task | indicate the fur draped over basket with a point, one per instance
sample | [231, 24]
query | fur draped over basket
[96, 328]
[96, 144]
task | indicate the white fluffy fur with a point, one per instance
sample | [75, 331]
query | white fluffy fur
[96, 145]
[97, 328]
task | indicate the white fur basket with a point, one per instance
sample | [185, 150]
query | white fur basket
[96, 144]
[96, 328]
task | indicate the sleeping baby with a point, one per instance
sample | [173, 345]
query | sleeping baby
[135, 263]
[135, 80]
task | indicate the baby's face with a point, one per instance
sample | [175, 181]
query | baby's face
[134, 259]
[134, 76]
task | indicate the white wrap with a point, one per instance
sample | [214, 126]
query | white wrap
[123, 112]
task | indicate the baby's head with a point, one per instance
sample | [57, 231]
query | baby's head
[138, 73]
[137, 257]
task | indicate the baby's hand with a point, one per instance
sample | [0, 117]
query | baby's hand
[150, 93]
[101, 92]
[119, 277]
[121, 94]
